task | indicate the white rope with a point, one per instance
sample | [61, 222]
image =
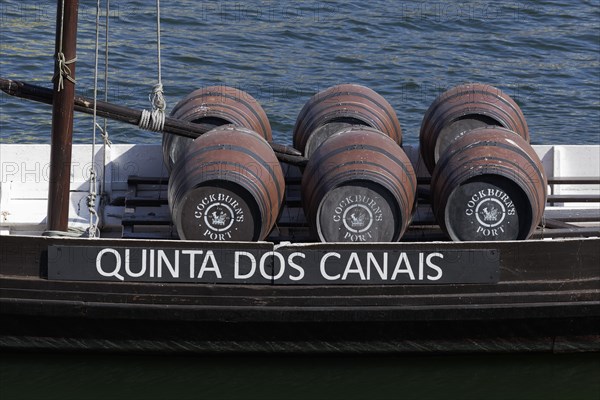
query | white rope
[91, 198]
[63, 71]
[155, 120]
[93, 230]
[104, 130]
[104, 134]
[158, 100]
[152, 120]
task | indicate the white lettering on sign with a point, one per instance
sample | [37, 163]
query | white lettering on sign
[269, 266]
[128, 264]
[214, 266]
[433, 266]
[295, 266]
[381, 269]
[163, 263]
[262, 265]
[117, 265]
[403, 261]
[355, 266]
[237, 263]
[322, 266]
[192, 254]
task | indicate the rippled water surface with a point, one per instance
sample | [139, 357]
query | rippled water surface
[545, 54]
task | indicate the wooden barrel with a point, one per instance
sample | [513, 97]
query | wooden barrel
[228, 186]
[463, 108]
[217, 106]
[339, 107]
[489, 185]
[358, 186]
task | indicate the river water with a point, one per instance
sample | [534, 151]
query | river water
[545, 54]
[103, 377]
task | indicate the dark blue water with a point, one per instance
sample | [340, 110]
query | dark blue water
[545, 54]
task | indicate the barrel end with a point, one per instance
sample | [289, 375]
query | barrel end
[218, 211]
[488, 208]
[358, 211]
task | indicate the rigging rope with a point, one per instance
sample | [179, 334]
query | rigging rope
[104, 129]
[150, 120]
[155, 120]
[91, 198]
[63, 71]
[158, 99]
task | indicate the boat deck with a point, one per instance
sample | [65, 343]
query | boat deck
[536, 295]
[134, 181]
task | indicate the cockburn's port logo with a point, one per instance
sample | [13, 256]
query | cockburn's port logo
[490, 207]
[357, 214]
[216, 214]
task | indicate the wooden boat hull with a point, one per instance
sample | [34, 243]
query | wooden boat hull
[547, 298]
[534, 295]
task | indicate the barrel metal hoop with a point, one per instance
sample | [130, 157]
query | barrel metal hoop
[379, 150]
[244, 150]
[440, 102]
[237, 99]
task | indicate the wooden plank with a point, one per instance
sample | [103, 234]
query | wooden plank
[147, 180]
[556, 224]
[129, 234]
[574, 215]
[574, 180]
[147, 220]
[552, 180]
[573, 198]
[146, 217]
[144, 202]
[566, 233]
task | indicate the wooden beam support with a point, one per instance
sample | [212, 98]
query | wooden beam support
[62, 115]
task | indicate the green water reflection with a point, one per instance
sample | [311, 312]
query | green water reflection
[85, 376]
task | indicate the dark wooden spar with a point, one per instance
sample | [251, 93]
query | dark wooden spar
[131, 116]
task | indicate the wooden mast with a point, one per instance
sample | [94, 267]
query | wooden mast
[62, 115]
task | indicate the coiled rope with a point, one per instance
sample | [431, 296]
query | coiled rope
[155, 120]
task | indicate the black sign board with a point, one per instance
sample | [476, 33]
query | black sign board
[285, 265]
[380, 267]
